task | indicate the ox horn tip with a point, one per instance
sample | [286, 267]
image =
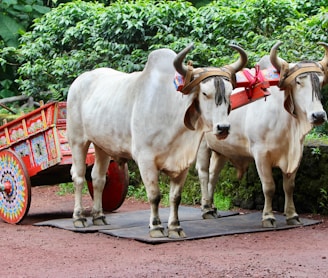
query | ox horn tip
[191, 45]
[324, 44]
[275, 47]
[275, 60]
[324, 60]
[232, 45]
[236, 47]
[277, 44]
[242, 61]
[178, 61]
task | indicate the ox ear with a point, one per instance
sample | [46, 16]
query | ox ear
[289, 103]
[192, 115]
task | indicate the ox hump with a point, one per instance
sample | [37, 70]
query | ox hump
[265, 62]
[161, 60]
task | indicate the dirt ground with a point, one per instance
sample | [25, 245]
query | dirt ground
[31, 251]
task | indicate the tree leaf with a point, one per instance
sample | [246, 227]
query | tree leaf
[9, 30]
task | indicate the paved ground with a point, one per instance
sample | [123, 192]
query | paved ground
[30, 251]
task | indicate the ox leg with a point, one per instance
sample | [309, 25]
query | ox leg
[78, 177]
[98, 175]
[216, 165]
[268, 186]
[202, 166]
[176, 185]
[209, 164]
[149, 177]
[292, 217]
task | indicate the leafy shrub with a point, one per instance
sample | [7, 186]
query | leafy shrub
[310, 7]
[15, 18]
[80, 36]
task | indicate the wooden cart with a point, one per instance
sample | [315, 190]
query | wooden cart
[34, 151]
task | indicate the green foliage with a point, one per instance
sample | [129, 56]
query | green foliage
[252, 24]
[79, 36]
[119, 36]
[8, 67]
[68, 188]
[222, 202]
[15, 18]
[310, 7]
[315, 151]
[138, 192]
[200, 3]
[190, 196]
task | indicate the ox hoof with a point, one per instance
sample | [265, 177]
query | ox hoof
[80, 223]
[269, 223]
[157, 232]
[176, 233]
[210, 214]
[99, 221]
[294, 221]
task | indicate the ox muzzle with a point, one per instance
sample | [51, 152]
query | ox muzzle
[318, 118]
[221, 131]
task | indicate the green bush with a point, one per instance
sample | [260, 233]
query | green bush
[79, 36]
[15, 18]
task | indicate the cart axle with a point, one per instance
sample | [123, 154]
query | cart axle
[5, 187]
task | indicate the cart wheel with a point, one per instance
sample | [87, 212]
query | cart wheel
[15, 196]
[116, 187]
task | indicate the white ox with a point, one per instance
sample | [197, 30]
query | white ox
[141, 116]
[268, 134]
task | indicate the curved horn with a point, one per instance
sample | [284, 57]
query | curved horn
[178, 61]
[241, 62]
[275, 60]
[324, 61]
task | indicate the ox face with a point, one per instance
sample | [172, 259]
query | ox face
[211, 89]
[307, 94]
[214, 104]
[302, 83]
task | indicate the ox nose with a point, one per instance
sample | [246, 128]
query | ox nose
[319, 117]
[222, 130]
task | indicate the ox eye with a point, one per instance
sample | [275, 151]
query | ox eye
[204, 94]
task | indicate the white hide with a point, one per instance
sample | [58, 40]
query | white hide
[265, 132]
[139, 116]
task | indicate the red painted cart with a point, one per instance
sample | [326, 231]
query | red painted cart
[34, 151]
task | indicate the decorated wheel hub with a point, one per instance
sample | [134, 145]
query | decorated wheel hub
[15, 189]
[6, 187]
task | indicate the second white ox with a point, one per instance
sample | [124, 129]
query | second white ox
[141, 116]
[271, 132]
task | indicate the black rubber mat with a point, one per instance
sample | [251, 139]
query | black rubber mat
[134, 225]
[122, 220]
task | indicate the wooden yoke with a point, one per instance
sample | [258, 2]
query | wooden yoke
[255, 83]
